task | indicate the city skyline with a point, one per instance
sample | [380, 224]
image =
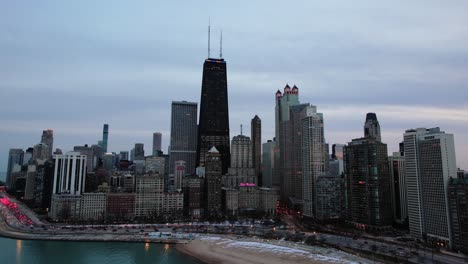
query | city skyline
[65, 77]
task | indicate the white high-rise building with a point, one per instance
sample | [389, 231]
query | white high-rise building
[69, 173]
[314, 159]
[430, 163]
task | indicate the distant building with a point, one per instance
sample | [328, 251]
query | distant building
[15, 161]
[179, 174]
[213, 173]
[256, 135]
[91, 159]
[372, 127]
[398, 192]
[241, 152]
[139, 151]
[105, 137]
[65, 207]
[337, 151]
[124, 155]
[183, 143]
[268, 163]
[120, 206]
[48, 139]
[149, 192]
[155, 164]
[193, 196]
[157, 138]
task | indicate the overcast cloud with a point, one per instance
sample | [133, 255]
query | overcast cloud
[73, 66]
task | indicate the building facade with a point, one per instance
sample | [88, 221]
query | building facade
[69, 173]
[399, 194]
[368, 184]
[430, 163]
[183, 142]
[157, 139]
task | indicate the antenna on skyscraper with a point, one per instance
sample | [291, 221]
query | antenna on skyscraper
[209, 24]
[241, 129]
[221, 46]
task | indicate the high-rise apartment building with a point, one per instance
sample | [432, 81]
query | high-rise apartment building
[48, 139]
[15, 161]
[372, 127]
[367, 184]
[157, 139]
[430, 163]
[213, 126]
[314, 161]
[256, 135]
[69, 173]
[183, 142]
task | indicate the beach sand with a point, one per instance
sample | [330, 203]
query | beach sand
[228, 250]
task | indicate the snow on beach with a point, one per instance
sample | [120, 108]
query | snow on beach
[282, 249]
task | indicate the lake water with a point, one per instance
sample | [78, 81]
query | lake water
[51, 252]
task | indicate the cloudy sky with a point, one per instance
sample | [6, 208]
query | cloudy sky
[73, 66]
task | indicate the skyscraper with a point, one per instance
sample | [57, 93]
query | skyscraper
[156, 142]
[314, 162]
[213, 176]
[256, 135]
[213, 127]
[367, 184]
[105, 137]
[183, 144]
[15, 160]
[48, 139]
[372, 127]
[41, 152]
[282, 176]
[430, 163]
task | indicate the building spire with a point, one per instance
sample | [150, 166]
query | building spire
[241, 129]
[209, 24]
[221, 46]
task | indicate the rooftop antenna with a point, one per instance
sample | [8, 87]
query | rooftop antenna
[209, 24]
[221, 46]
[241, 129]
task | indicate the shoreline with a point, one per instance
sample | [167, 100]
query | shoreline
[228, 250]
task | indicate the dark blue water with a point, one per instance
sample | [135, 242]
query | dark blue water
[51, 252]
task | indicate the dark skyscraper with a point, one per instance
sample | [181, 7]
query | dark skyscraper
[213, 176]
[48, 139]
[213, 127]
[105, 137]
[183, 145]
[256, 135]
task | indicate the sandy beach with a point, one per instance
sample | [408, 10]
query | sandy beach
[228, 250]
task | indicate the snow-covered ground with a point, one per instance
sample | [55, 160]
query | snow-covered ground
[284, 249]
